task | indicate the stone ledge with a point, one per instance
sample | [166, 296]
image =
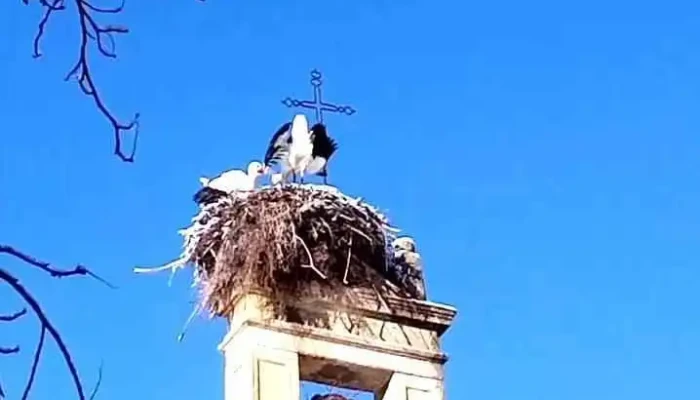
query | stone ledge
[348, 340]
[391, 346]
[409, 312]
[323, 348]
[409, 325]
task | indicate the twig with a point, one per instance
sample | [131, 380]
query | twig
[308, 253]
[194, 312]
[9, 350]
[98, 383]
[35, 363]
[347, 264]
[171, 265]
[46, 267]
[42, 25]
[46, 324]
[328, 227]
[345, 217]
[359, 232]
[12, 317]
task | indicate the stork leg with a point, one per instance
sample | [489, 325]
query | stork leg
[285, 177]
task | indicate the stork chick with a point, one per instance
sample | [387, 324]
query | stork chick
[228, 182]
[409, 266]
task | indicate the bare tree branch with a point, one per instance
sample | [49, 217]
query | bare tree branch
[46, 325]
[45, 266]
[90, 29]
[103, 36]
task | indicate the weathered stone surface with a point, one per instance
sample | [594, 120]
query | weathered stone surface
[388, 346]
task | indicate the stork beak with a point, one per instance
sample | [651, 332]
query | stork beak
[265, 170]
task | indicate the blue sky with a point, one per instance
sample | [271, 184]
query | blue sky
[544, 155]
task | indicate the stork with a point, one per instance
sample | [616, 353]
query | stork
[409, 266]
[299, 151]
[229, 182]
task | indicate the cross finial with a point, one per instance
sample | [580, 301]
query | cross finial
[317, 104]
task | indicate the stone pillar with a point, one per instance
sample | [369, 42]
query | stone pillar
[408, 387]
[254, 370]
[387, 346]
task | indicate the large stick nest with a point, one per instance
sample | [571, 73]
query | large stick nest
[289, 243]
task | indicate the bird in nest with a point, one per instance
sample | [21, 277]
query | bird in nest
[300, 150]
[228, 182]
[409, 266]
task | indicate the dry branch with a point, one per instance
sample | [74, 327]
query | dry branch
[103, 37]
[46, 267]
[45, 323]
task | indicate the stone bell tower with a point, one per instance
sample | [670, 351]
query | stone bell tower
[314, 283]
[388, 346]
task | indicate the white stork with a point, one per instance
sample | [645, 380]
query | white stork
[229, 182]
[299, 150]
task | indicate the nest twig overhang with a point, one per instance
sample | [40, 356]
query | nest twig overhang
[288, 243]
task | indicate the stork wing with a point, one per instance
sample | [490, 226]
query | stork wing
[279, 145]
[207, 195]
[323, 145]
[229, 181]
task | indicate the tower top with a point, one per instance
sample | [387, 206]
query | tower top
[390, 347]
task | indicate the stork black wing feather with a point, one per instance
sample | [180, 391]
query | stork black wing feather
[207, 195]
[323, 145]
[279, 144]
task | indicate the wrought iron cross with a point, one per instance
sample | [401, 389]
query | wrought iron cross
[317, 104]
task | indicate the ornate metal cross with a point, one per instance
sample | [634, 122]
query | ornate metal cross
[317, 104]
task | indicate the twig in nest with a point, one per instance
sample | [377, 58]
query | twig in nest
[103, 36]
[328, 227]
[171, 265]
[359, 232]
[347, 264]
[308, 253]
[194, 312]
[46, 267]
